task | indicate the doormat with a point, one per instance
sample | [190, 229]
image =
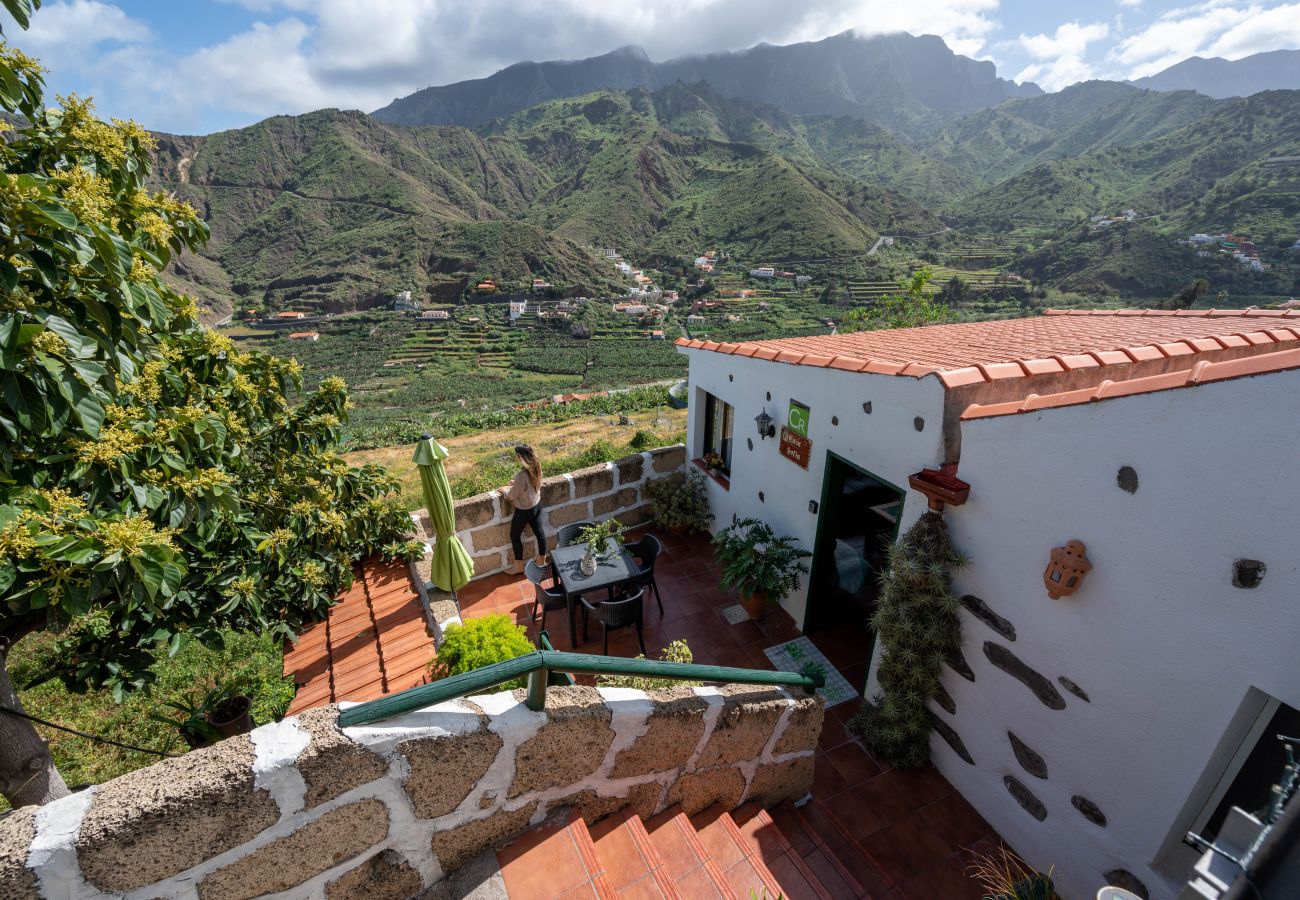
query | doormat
[794, 655]
[735, 614]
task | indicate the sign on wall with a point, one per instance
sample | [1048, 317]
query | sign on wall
[795, 447]
[797, 418]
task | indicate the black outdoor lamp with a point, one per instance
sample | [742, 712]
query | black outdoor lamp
[765, 427]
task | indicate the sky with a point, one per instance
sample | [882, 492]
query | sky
[198, 66]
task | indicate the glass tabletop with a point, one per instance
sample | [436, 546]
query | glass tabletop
[613, 567]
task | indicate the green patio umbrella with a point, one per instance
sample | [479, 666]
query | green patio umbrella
[452, 566]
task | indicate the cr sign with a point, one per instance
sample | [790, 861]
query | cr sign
[797, 418]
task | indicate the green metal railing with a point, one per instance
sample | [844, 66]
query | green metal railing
[539, 665]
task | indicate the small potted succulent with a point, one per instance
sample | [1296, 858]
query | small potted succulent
[758, 564]
[681, 506]
[599, 537]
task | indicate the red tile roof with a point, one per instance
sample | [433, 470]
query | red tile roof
[1058, 341]
[1201, 373]
[372, 643]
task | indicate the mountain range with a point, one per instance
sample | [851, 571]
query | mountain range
[1216, 77]
[340, 209]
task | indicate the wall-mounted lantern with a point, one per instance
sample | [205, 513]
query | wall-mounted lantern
[765, 427]
[1065, 570]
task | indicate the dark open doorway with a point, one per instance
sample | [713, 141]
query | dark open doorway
[857, 523]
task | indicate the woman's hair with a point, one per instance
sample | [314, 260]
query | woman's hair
[531, 465]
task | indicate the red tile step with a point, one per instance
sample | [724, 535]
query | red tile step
[554, 859]
[632, 864]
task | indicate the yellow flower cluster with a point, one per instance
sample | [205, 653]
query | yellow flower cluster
[333, 522]
[141, 271]
[147, 388]
[133, 131]
[85, 194]
[201, 481]
[156, 227]
[132, 534]
[49, 343]
[215, 342]
[280, 537]
[16, 541]
[313, 574]
[64, 508]
[333, 385]
[22, 64]
[242, 587]
[114, 442]
[302, 508]
[100, 138]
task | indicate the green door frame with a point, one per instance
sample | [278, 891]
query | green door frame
[833, 457]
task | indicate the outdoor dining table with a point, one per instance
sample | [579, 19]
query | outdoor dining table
[612, 569]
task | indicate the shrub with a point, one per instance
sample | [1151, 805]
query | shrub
[481, 642]
[677, 652]
[756, 560]
[683, 504]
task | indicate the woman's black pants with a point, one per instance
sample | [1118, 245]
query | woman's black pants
[522, 518]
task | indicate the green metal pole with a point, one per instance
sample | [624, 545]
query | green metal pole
[536, 700]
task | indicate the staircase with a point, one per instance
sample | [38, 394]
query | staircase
[741, 855]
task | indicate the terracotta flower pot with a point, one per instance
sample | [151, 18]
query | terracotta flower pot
[677, 529]
[756, 605]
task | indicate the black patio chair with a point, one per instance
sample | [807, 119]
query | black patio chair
[567, 536]
[547, 598]
[614, 614]
[646, 551]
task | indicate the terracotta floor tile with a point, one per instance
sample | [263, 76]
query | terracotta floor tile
[956, 821]
[761, 834]
[745, 880]
[827, 781]
[948, 880]
[645, 888]
[792, 829]
[827, 874]
[884, 799]
[618, 852]
[917, 845]
[791, 880]
[674, 849]
[854, 860]
[716, 839]
[853, 763]
[857, 818]
[542, 863]
[922, 785]
[584, 891]
[698, 885]
[833, 733]
[819, 824]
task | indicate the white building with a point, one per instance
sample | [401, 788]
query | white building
[763, 272]
[624, 268]
[1163, 442]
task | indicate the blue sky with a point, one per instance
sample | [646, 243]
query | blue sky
[196, 66]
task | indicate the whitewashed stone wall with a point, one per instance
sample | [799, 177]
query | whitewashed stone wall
[301, 808]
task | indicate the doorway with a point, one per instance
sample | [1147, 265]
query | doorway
[858, 523]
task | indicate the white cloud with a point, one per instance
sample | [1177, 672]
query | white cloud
[1059, 57]
[1176, 35]
[71, 34]
[1272, 29]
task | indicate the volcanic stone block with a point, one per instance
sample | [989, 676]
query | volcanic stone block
[630, 469]
[1030, 761]
[289, 861]
[803, 727]
[490, 537]
[696, 791]
[567, 515]
[746, 722]
[1089, 810]
[1123, 878]
[641, 799]
[1025, 797]
[1074, 689]
[488, 562]
[674, 731]
[637, 515]
[668, 459]
[445, 769]
[944, 699]
[556, 491]
[17, 831]
[980, 610]
[332, 764]
[614, 503]
[456, 846]
[1008, 662]
[153, 823]
[569, 747]
[789, 780]
[384, 876]
[473, 512]
[950, 737]
[592, 480]
[957, 662]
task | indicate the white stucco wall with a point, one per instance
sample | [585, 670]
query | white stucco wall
[884, 442]
[1157, 636]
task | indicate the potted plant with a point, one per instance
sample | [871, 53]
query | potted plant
[681, 506]
[207, 718]
[599, 537]
[762, 567]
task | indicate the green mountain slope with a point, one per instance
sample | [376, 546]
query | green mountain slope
[336, 210]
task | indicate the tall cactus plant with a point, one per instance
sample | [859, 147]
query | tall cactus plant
[916, 622]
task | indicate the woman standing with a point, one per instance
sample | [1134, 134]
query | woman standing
[525, 492]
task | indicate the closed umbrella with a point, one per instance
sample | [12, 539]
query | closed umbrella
[452, 566]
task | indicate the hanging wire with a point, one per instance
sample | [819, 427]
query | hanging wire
[90, 737]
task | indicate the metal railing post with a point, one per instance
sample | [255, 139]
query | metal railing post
[536, 700]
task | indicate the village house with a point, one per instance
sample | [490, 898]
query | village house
[405, 303]
[762, 272]
[438, 315]
[695, 319]
[305, 336]
[671, 296]
[290, 316]
[540, 284]
[1128, 606]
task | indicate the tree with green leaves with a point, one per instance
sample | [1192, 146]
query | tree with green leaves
[157, 485]
[1187, 295]
[912, 305]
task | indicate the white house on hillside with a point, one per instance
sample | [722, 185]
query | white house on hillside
[1096, 728]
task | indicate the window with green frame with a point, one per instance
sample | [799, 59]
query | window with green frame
[718, 420]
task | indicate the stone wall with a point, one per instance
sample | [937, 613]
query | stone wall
[609, 490]
[385, 810]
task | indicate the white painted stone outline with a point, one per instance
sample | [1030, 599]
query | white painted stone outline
[278, 746]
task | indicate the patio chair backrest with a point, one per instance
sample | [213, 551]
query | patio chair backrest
[647, 550]
[567, 536]
[534, 573]
[623, 610]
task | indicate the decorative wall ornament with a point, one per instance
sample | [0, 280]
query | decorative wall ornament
[941, 486]
[1065, 570]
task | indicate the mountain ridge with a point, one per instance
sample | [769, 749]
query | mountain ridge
[1221, 78]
